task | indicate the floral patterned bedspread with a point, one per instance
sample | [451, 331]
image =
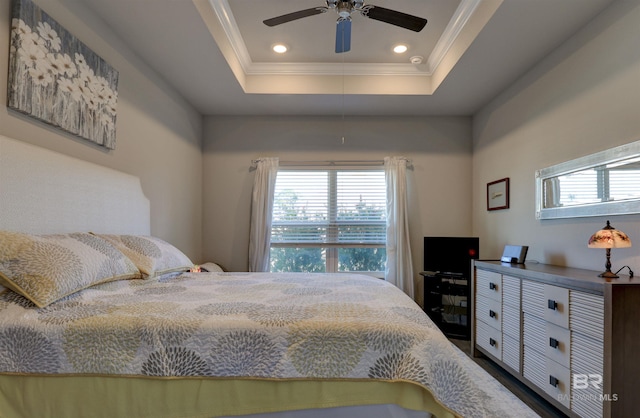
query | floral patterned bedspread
[276, 325]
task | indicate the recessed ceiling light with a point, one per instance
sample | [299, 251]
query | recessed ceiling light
[280, 48]
[399, 49]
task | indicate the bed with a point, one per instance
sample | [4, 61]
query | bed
[152, 339]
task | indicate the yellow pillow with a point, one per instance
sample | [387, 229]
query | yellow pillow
[152, 256]
[46, 268]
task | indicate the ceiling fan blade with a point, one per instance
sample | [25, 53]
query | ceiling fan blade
[343, 35]
[274, 21]
[393, 17]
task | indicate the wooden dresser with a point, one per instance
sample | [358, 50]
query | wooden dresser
[571, 336]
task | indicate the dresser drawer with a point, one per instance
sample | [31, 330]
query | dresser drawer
[558, 344]
[489, 338]
[556, 300]
[549, 339]
[548, 375]
[546, 301]
[489, 311]
[558, 382]
[489, 284]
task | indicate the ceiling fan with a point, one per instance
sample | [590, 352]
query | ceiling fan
[344, 10]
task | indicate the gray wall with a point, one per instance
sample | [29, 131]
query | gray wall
[583, 98]
[158, 133]
[440, 182]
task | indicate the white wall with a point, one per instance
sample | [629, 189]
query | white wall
[158, 133]
[440, 148]
[583, 98]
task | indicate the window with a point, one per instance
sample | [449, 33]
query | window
[329, 220]
[593, 185]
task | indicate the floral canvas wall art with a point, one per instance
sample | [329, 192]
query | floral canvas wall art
[57, 79]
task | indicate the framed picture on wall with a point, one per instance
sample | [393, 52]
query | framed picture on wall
[498, 194]
[55, 78]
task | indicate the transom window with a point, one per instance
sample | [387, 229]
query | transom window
[329, 220]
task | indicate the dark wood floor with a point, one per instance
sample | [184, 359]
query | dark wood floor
[535, 402]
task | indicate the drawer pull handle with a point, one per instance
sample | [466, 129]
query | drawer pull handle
[492, 342]
[553, 381]
[554, 343]
[492, 314]
[552, 304]
[492, 286]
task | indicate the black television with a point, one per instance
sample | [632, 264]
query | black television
[450, 254]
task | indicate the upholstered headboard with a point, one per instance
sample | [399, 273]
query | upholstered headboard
[45, 192]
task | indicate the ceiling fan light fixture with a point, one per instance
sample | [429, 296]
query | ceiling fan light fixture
[345, 8]
[279, 48]
[400, 49]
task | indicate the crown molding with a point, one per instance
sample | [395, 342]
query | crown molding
[460, 18]
[320, 68]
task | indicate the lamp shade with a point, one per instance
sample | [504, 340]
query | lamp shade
[609, 237]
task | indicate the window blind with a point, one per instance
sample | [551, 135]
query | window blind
[598, 185]
[333, 207]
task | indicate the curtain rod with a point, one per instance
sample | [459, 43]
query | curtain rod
[327, 162]
[331, 163]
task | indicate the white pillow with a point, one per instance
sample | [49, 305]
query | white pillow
[46, 268]
[152, 256]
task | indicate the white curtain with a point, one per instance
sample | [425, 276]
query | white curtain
[399, 270]
[264, 184]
